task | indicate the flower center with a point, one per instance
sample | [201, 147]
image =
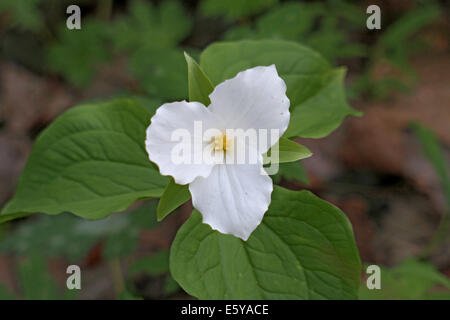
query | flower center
[221, 143]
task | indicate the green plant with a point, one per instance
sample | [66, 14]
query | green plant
[389, 52]
[92, 161]
[309, 24]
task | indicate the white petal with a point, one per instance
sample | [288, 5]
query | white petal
[233, 198]
[253, 99]
[168, 119]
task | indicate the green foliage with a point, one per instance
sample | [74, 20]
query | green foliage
[309, 24]
[171, 286]
[200, 86]
[121, 244]
[289, 21]
[291, 171]
[23, 14]
[155, 265]
[160, 72]
[333, 45]
[315, 89]
[78, 54]
[36, 283]
[143, 217]
[6, 294]
[149, 26]
[433, 151]
[303, 249]
[322, 112]
[91, 161]
[174, 196]
[50, 236]
[69, 236]
[411, 280]
[391, 52]
[288, 151]
[392, 41]
[149, 34]
[234, 9]
[11, 216]
[438, 160]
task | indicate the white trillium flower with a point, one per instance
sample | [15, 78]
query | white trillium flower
[231, 196]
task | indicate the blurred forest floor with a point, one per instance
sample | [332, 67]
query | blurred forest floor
[371, 167]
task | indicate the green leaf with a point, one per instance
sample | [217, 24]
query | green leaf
[8, 217]
[315, 89]
[303, 249]
[173, 197]
[291, 171]
[151, 104]
[143, 217]
[91, 161]
[78, 53]
[199, 85]
[315, 118]
[288, 151]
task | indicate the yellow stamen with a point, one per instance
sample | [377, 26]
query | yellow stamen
[222, 143]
